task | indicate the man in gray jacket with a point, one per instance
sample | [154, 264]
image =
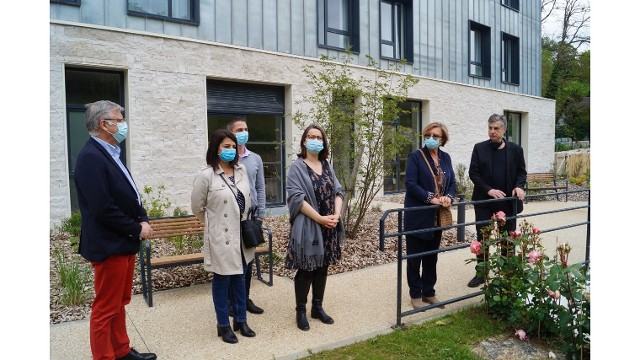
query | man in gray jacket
[255, 172]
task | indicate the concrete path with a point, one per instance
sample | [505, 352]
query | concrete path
[181, 324]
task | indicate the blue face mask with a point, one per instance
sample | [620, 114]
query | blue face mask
[242, 137]
[227, 155]
[431, 143]
[314, 146]
[121, 134]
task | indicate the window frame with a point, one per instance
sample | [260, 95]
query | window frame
[66, 2]
[405, 38]
[511, 4]
[353, 24]
[515, 138]
[195, 13]
[485, 63]
[509, 60]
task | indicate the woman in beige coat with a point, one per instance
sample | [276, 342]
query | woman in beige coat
[220, 195]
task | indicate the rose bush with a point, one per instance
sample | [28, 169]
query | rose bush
[535, 293]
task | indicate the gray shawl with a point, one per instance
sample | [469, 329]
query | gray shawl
[305, 238]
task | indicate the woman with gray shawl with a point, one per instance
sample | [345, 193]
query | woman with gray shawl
[314, 198]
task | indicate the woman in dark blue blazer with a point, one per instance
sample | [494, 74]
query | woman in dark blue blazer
[426, 167]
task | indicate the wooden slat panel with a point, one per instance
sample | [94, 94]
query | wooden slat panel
[176, 259]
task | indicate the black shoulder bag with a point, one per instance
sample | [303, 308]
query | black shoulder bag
[251, 228]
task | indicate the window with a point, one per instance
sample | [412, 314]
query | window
[479, 50]
[409, 124]
[84, 86]
[338, 24]
[514, 126]
[513, 4]
[510, 59]
[396, 30]
[185, 11]
[263, 107]
[67, 2]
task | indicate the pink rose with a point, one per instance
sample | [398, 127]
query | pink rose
[516, 234]
[534, 255]
[536, 231]
[501, 215]
[521, 334]
[476, 247]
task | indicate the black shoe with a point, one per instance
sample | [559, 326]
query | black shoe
[134, 355]
[245, 330]
[227, 335]
[301, 320]
[317, 312]
[475, 282]
[252, 308]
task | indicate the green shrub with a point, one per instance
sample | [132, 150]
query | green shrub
[179, 212]
[563, 147]
[72, 224]
[74, 279]
[155, 202]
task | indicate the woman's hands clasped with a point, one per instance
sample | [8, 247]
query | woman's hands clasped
[330, 221]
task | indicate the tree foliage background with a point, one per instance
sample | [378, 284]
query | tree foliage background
[565, 67]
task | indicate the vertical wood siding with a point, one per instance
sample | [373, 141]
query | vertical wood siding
[440, 32]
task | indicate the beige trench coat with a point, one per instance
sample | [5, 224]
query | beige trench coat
[214, 204]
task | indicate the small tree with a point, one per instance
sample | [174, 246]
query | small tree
[358, 112]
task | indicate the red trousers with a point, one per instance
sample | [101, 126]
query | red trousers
[113, 279]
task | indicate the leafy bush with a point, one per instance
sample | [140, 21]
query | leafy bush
[563, 147]
[532, 291]
[464, 186]
[72, 224]
[179, 212]
[155, 202]
[580, 180]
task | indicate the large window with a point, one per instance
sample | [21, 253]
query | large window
[396, 30]
[513, 4]
[514, 127]
[409, 124]
[263, 107]
[85, 86]
[338, 24]
[510, 59]
[185, 11]
[479, 50]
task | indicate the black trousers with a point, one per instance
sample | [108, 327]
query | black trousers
[422, 283]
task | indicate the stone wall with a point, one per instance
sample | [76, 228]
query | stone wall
[165, 96]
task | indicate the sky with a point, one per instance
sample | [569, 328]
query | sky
[25, 184]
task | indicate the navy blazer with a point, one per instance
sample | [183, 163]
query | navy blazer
[480, 170]
[419, 183]
[111, 215]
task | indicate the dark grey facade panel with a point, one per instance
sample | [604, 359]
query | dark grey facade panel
[440, 32]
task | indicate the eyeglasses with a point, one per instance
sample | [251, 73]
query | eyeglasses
[435, 137]
[116, 120]
[314, 137]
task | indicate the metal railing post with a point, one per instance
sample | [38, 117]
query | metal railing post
[461, 213]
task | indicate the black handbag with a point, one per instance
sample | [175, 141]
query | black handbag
[251, 231]
[251, 228]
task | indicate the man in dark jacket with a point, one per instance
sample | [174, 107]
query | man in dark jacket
[113, 223]
[498, 171]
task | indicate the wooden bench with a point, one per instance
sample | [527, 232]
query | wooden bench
[545, 180]
[168, 227]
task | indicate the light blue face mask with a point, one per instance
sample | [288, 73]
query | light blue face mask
[227, 155]
[121, 134]
[431, 143]
[314, 146]
[242, 137]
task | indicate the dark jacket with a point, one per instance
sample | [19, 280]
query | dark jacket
[480, 170]
[109, 206]
[419, 184]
